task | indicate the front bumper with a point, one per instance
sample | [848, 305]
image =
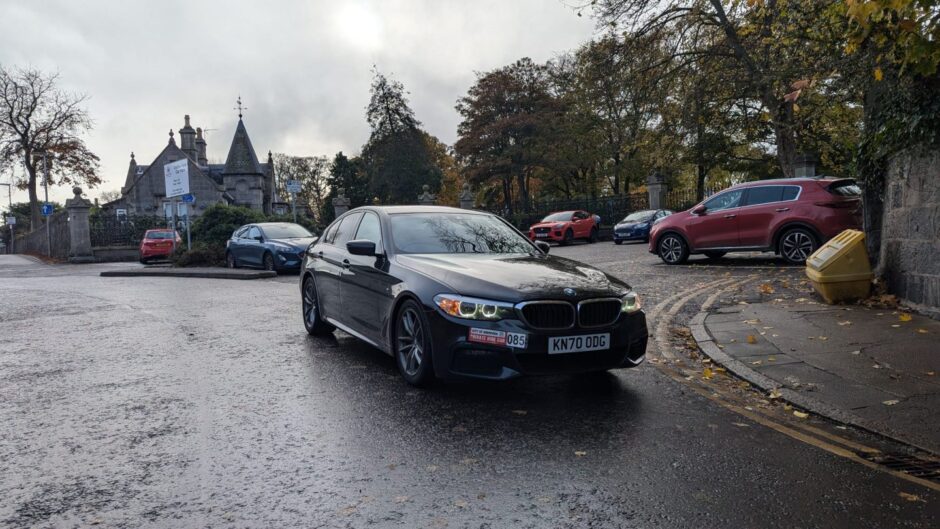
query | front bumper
[553, 235]
[631, 236]
[289, 260]
[457, 358]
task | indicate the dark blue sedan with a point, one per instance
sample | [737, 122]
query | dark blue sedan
[636, 226]
[274, 246]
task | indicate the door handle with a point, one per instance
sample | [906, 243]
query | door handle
[730, 216]
[781, 210]
[320, 254]
[345, 263]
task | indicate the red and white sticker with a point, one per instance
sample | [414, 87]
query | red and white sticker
[501, 338]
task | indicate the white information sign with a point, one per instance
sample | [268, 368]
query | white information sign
[11, 220]
[293, 186]
[176, 176]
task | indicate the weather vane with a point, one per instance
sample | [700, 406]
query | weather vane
[239, 108]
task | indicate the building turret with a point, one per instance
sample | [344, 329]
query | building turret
[188, 139]
[201, 158]
[131, 175]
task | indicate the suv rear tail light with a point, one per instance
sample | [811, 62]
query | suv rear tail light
[839, 204]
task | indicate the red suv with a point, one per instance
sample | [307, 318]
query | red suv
[791, 217]
[565, 226]
[158, 244]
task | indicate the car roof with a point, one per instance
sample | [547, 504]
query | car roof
[265, 224]
[787, 181]
[418, 209]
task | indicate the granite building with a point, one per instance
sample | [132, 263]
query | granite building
[241, 181]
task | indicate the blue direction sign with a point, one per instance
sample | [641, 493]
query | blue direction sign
[47, 209]
[189, 198]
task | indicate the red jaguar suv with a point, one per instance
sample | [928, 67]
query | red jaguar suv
[791, 217]
[565, 226]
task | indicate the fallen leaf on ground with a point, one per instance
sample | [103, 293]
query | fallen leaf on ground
[707, 373]
[922, 331]
[855, 352]
[460, 503]
[774, 394]
[800, 414]
[876, 366]
[771, 358]
[752, 322]
[580, 453]
[756, 363]
[844, 323]
[401, 499]
[930, 373]
[765, 288]
[911, 497]
[751, 339]
[890, 402]
[824, 338]
[895, 325]
[904, 316]
[741, 424]
[520, 412]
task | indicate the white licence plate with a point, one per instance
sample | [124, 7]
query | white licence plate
[577, 344]
[541, 235]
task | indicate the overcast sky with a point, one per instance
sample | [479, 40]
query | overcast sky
[301, 67]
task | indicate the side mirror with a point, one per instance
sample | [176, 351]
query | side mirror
[699, 210]
[361, 247]
[543, 246]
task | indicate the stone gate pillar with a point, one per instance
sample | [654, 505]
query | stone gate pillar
[426, 198]
[466, 197]
[657, 188]
[340, 203]
[79, 228]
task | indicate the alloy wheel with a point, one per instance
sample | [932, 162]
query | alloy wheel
[310, 303]
[230, 260]
[670, 249]
[796, 246]
[268, 262]
[410, 338]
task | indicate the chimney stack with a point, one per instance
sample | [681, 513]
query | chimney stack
[188, 139]
[201, 158]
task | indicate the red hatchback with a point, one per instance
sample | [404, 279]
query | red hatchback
[158, 244]
[791, 217]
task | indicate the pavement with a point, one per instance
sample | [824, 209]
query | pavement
[153, 402]
[875, 368]
[204, 273]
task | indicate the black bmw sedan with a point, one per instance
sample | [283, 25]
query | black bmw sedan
[452, 293]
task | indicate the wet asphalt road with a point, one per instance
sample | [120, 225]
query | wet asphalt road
[159, 402]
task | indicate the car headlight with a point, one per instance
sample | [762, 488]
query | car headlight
[473, 308]
[559, 226]
[630, 302]
[283, 247]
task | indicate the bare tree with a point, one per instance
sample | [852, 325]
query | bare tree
[36, 117]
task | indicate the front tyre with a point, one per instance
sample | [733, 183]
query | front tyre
[618, 243]
[569, 236]
[313, 321]
[268, 262]
[672, 249]
[796, 245]
[230, 261]
[413, 345]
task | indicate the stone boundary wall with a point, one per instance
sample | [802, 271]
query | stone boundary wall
[909, 260]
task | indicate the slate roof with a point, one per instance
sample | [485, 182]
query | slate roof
[241, 155]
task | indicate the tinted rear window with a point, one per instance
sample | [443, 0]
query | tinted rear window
[160, 235]
[763, 195]
[845, 188]
[790, 193]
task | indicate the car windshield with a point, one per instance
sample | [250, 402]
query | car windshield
[639, 216]
[421, 233]
[558, 217]
[160, 235]
[286, 231]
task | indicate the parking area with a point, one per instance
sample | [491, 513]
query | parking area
[183, 402]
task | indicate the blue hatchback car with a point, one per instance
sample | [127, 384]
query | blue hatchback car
[274, 246]
[636, 226]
